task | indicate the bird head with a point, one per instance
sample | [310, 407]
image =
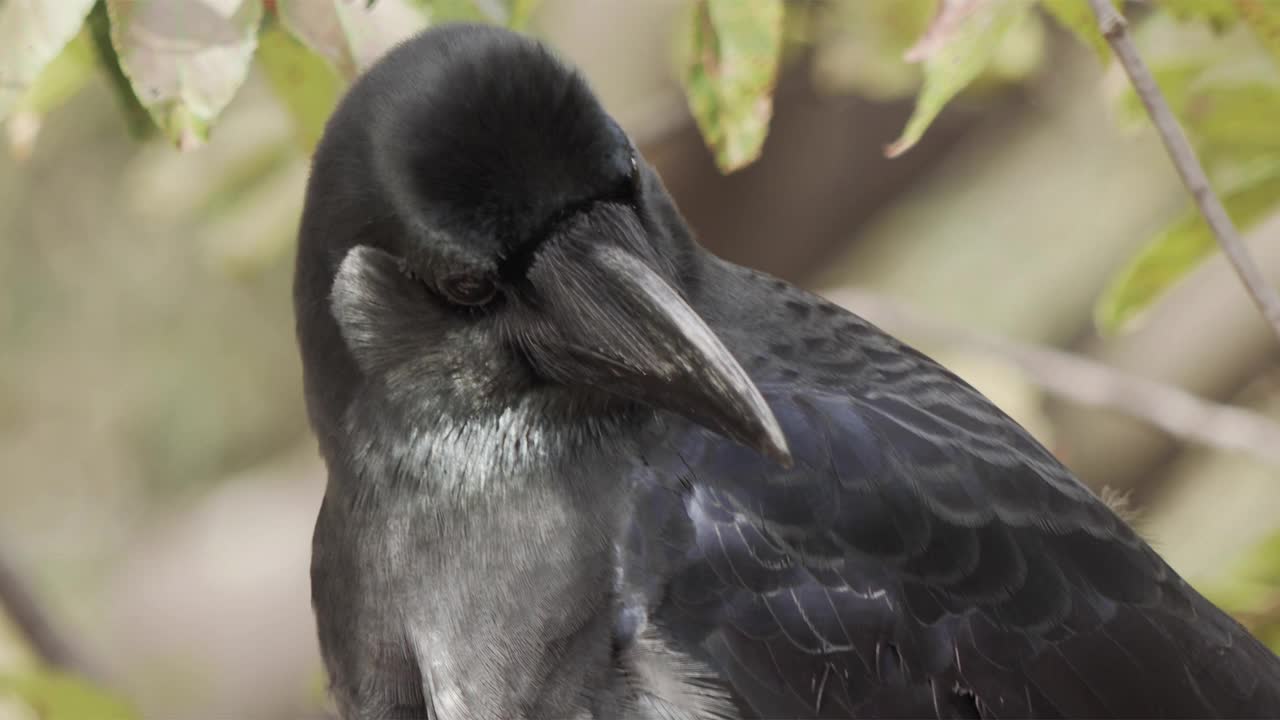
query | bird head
[478, 232]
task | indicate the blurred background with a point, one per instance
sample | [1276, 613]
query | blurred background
[158, 482]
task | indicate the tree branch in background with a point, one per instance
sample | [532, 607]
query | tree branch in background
[20, 606]
[1085, 382]
[1116, 31]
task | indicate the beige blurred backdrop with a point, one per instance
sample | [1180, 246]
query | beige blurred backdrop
[157, 480]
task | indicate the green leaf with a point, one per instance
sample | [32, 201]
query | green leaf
[1234, 122]
[521, 13]
[55, 696]
[443, 11]
[60, 80]
[351, 36]
[136, 117]
[1263, 18]
[1220, 14]
[1224, 89]
[371, 32]
[32, 33]
[63, 78]
[1165, 41]
[185, 60]
[1181, 246]
[1078, 17]
[733, 64]
[1228, 107]
[1017, 55]
[316, 24]
[958, 45]
[307, 85]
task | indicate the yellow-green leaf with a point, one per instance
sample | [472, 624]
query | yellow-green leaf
[1263, 18]
[56, 696]
[61, 79]
[136, 117]
[733, 64]
[352, 35]
[1078, 17]
[185, 60]
[32, 33]
[1236, 122]
[1224, 88]
[1181, 246]
[307, 85]
[962, 39]
[1220, 14]
[443, 11]
[1228, 106]
[1020, 51]
[520, 13]
[316, 24]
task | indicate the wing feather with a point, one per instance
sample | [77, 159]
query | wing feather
[896, 570]
[923, 557]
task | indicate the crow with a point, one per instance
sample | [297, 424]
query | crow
[579, 467]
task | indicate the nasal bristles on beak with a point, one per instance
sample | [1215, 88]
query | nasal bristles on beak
[621, 327]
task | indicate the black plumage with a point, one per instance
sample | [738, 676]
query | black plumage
[579, 467]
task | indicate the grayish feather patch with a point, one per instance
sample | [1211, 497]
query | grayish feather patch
[669, 685]
[498, 518]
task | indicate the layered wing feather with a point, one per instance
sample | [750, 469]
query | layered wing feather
[924, 557]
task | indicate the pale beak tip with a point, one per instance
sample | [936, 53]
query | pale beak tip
[774, 445]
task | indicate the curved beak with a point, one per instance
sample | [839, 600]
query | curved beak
[615, 324]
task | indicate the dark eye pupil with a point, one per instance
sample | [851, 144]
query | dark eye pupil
[628, 186]
[468, 289]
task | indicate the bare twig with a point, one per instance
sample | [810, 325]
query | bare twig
[1085, 382]
[1115, 30]
[20, 605]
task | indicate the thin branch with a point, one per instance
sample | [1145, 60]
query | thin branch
[1116, 31]
[20, 606]
[1087, 382]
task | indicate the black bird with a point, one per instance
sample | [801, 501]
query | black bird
[581, 468]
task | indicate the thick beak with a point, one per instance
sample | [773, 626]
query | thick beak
[617, 325]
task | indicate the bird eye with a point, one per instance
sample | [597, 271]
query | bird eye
[628, 186]
[468, 289]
